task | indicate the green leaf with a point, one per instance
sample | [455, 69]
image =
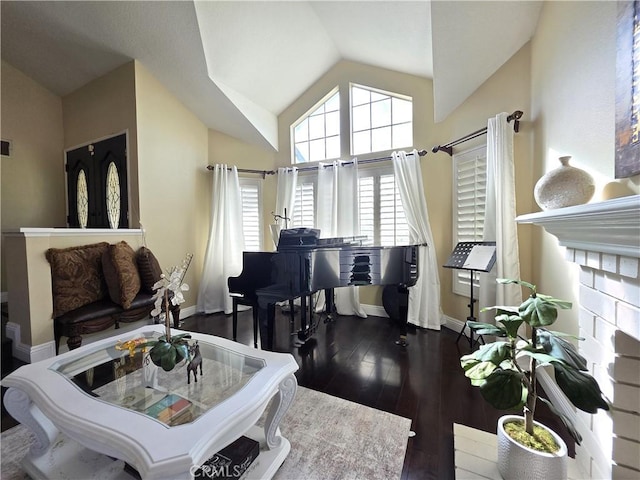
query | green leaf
[182, 336]
[562, 304]
[565, 420]
[480, 371]
[555, 333]
[494, 352]
[537, 312]
[158, 351]
[561, 349]
[511, 323]
[168, 361]
[580, 388]
[468, 361]
[503, 389]
[501, 309]
[530, 286]
[482, 328]
[182, 352]
[541, 357]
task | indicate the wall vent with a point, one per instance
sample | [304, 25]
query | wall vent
[6, 148]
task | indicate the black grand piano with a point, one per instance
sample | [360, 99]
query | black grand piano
[305, 264]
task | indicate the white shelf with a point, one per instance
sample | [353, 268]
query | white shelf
[612, 226]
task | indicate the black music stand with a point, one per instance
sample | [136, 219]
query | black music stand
[474, 257]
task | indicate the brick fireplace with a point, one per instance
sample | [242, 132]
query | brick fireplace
[603, 239]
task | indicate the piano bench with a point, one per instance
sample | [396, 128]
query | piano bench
[250, 302]
[253, 303]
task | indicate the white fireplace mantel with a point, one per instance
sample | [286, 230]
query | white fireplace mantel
[612, 226]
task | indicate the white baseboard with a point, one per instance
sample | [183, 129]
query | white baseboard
[19, 350]
[454, 324]
[187, 312]
[375, 310]
[34, 353]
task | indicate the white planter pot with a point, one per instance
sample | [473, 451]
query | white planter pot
[516, 461]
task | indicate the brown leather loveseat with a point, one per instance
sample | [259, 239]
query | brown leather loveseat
[101, 285]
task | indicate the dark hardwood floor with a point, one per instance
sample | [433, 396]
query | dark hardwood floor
[357, 359]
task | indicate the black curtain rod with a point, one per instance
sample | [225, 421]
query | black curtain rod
[515, 116]
[264, 173]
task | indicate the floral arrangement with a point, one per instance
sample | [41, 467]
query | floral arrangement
[168, 350]
[172, 282]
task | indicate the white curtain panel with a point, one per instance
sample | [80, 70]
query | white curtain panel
[223, 258]
[500, 218]
[285, 199]
[337, 216]
[424, 297]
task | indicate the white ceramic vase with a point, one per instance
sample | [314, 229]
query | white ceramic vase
[564, 187]
[517, 462]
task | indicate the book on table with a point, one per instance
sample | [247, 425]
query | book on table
[231, 462]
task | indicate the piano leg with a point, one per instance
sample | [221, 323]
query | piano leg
[329, 305]
[304, 333]
[266, 318]
[235, 318]
[403, 308]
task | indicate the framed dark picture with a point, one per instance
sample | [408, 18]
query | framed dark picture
[627, 161]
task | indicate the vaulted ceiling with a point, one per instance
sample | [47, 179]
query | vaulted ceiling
[238, 64]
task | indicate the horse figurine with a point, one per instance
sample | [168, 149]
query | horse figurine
[196, 361]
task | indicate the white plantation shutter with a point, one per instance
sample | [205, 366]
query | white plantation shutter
[393, 224]
[382, 217]
[304, 206]
[251, 214]
[367, 208]
[470, 181]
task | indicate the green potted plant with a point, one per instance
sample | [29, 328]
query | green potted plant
[505, 380]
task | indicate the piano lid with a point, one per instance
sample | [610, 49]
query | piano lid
[305, 238]
[298, 237]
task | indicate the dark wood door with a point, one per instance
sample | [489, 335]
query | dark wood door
[97, 184]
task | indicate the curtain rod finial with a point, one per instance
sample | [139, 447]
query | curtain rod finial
[439, 148]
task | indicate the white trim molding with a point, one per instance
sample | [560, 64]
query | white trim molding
[612, 226]
[72, 232]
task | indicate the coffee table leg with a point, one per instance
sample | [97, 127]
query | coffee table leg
[20, 407]
[282, 401]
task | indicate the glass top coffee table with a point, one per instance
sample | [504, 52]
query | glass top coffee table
[102, 402]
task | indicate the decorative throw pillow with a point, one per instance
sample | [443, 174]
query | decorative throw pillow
[149, 269]
[121, 273]
[76, 276]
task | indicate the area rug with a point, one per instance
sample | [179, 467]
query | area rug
[331, 438]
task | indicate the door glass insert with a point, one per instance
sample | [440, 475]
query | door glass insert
[82, 199]
[113, 195]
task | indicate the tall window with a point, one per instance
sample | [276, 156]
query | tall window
[380, 209]
[304, 205]
[381, 214]
[379, 121]
[469, 198]
[317, 135]
[251, 192]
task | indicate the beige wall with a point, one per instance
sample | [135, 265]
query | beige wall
[104, 108]
[33, 191]
[172, 160]
[573, 113]
[224, 149]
